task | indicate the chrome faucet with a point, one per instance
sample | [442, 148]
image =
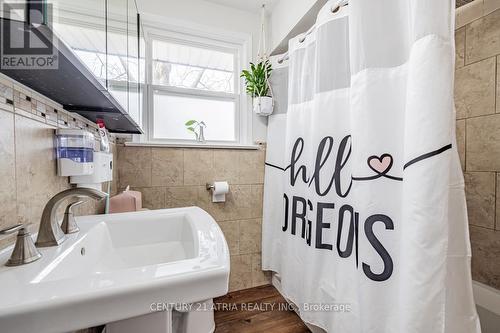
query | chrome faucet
[50, 233]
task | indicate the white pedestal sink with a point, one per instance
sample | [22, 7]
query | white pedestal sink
[117, 267]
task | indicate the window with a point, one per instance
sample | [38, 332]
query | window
[182, 74]
[173, 111]
[183, 66]
[194, 79]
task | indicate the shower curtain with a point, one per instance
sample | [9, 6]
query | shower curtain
[364, 215]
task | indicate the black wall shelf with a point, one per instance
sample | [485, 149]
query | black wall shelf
[71, 83]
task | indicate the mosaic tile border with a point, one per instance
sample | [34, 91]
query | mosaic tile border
[18, 99]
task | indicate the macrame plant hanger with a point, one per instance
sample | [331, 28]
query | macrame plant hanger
[262, 55]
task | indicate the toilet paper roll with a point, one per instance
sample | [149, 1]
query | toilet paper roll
[221, 187]
[219, 191]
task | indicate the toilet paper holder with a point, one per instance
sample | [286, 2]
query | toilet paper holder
[219, 191]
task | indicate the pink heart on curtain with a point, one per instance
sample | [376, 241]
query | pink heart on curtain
[380, 164]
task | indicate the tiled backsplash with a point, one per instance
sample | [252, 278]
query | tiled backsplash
[175, 177]
[27, 158]
[477, 100]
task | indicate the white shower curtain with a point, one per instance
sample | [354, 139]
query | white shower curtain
[365, 217]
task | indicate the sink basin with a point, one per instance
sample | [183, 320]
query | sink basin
[115, 268]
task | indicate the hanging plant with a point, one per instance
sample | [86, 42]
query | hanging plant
[256, 79]
[257, 86]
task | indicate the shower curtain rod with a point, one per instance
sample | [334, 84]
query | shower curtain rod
[335, 9]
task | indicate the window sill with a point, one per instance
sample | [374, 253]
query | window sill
[193, 145]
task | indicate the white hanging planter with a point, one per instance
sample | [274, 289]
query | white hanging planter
[263, 106]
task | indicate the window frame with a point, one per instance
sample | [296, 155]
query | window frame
[238, 44]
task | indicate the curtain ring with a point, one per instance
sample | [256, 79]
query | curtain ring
[302, 39]
[336, 9]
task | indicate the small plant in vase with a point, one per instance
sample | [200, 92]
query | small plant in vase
[257, 83]
[196, 127]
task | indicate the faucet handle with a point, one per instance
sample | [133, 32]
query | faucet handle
[25, 251]
[11, 230]
[69, 225]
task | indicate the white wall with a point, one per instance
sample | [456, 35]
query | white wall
[285, 15]
[206, 13]
[199, 14]
[290, 18]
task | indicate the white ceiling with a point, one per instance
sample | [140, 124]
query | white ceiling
[248, 5]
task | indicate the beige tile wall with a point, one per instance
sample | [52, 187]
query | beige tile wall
[477, 99]
[27, 158]
[174, 177]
